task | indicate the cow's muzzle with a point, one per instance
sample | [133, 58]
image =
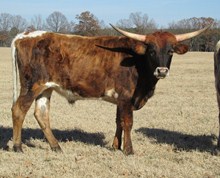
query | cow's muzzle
[161, 72]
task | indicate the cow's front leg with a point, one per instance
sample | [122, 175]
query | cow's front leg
[117, 139]
[127, 126]
[125, 113]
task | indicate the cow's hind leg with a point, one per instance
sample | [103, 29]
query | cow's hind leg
[218, 99]
[41, 113]
[19, 110]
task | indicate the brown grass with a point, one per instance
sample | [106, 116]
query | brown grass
[173, 135]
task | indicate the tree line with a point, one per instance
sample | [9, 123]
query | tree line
[87, 24]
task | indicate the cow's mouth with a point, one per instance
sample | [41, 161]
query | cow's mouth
[161, 72]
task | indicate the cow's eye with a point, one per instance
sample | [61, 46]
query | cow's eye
[152, 53]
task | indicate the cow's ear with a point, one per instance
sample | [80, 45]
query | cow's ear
[140, 48]
[180, 48]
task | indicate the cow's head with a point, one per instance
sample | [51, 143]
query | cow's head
[159, 48]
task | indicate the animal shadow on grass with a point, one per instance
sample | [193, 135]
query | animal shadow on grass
[61, 135]
[180, 141]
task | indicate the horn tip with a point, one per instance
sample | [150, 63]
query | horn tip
[113, 26]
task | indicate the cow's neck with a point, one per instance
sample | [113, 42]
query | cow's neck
[145, 87]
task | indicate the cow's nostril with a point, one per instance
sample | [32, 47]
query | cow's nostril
[161, 72]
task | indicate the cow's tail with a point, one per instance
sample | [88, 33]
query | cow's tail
[14, 71]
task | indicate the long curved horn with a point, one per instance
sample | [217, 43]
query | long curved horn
[187, 36]
[130, 35]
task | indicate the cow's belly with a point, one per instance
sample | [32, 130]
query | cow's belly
[110, 95]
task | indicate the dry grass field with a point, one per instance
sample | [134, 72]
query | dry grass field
[174, 134]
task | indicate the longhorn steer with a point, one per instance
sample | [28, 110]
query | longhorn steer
[123, 70]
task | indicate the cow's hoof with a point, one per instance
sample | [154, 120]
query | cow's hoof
[128, 151]
[17, 148]
[116, 147]
[57, 149]
[216, 151]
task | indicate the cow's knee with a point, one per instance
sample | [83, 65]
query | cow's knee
[17, 113]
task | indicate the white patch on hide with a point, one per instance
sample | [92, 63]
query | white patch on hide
[29, 35]
[111, 93]
[42, 102]
[110, 96]
[51, 84]
[218, 46]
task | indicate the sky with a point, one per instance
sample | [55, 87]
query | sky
[162, 12]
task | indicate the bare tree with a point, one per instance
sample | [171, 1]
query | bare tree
[124, 23]
[191, 23]
[5, 21]
[141, 23]
[57, 22]
[18, 22]
[88, 24]
[72, 27]
[217, 23]
[37, 22]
